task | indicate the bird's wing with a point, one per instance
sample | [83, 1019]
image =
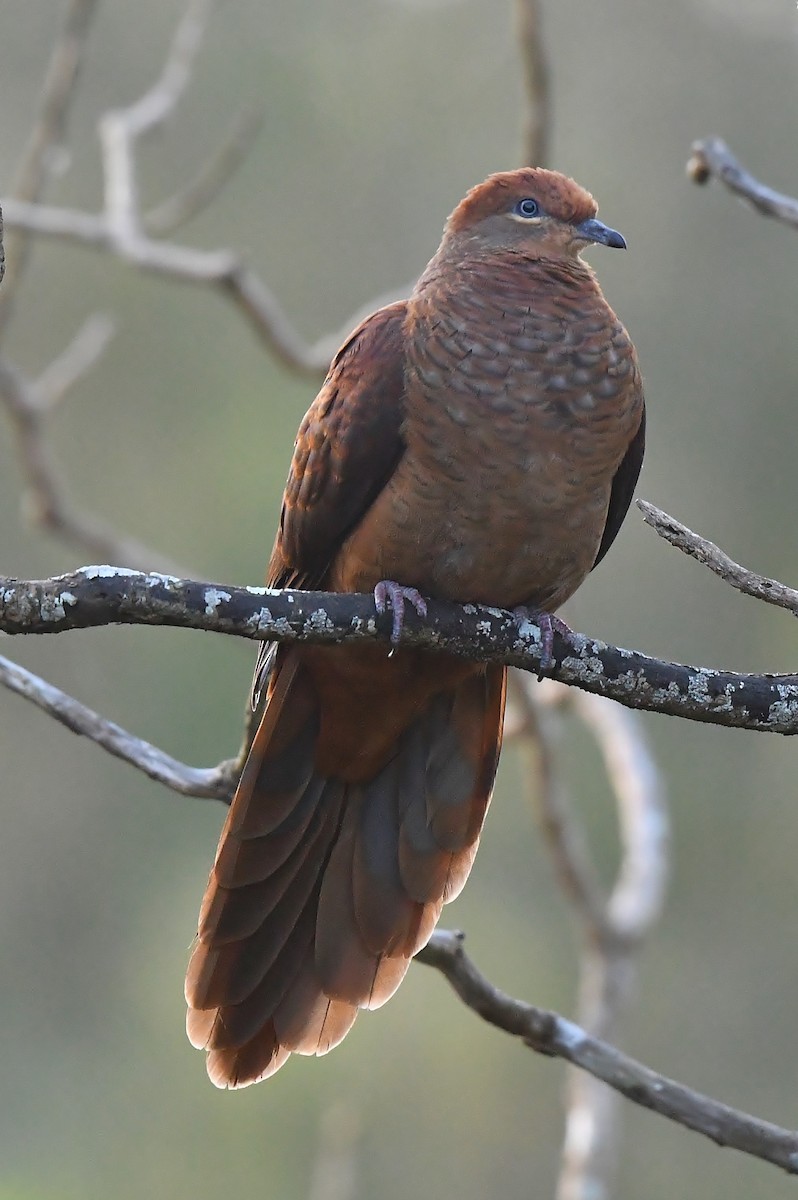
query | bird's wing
[347, 448]
[623, 486]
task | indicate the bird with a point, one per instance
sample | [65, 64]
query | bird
[478, 442]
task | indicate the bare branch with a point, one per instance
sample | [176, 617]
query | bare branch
[122, 229]
[47, 220]
[608, 962]
[38, 156]
[213, 783]
[76, 360]
[215, 268]
[636, 900]
[758, 586]
[45, 502]
[335, 1169]
[564, 836]
[711, 156]
[537, 117]
[212, 176]
[97, 596]
[553, 1035]
[612, 926]
[120, 128]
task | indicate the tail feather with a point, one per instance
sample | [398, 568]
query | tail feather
[388, 919]
[307, 1021]
[441, 823]
[257, 1060]
[228, 973]
[347, 969]
[231, 913]
[234, 1025]
[251, 859]
[323, 889]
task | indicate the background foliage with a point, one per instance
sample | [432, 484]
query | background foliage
[378, 117]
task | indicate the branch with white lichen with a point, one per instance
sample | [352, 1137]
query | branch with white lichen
[103, 595]
[95, 596]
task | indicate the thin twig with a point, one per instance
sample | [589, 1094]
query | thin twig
[38, 156]
[121, 128]
[711, 156]
[124, 230]
[211, 783]
[564, 836]
[220, 269]
[537, 114]
[612, 926]
[637, 896]
[212, 177]
[335, 1168]
[75, 360]
[553, 1035]
[748, 582]
[611, 949]
[45, 502]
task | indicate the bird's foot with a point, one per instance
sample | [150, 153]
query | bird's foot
[388, 592]
[548, 625]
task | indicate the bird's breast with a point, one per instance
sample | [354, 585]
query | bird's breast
[519, 411]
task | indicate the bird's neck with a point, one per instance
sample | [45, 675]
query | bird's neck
[499, 279]
[505, 287]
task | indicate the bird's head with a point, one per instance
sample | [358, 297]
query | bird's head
[535, 212]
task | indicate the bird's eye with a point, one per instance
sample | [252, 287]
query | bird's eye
[527, 207]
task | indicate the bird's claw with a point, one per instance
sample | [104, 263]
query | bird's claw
[548, 625]
[388, 592]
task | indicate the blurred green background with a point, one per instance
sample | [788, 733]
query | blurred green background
[378, 115]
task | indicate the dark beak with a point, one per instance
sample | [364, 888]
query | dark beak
[596, 231]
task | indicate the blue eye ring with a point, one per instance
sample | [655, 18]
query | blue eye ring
[527, 208]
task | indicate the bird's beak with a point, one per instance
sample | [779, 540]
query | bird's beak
[595, 231]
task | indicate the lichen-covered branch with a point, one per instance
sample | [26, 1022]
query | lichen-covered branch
[95, 596]
[748, 582]
[550, 1034]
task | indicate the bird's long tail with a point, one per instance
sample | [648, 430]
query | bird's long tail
[322, 890]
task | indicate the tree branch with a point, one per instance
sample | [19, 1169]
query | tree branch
[711, 156]
[613, 927]
[211, 783]
[553, 1035]
[608, 970]
[95, 596]
[537, 113]
[75, 360]
[748, 582]
[212, 176]
[121, 128]
[563, 835]
[45, 500]
[38, 157]
[125, 230]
